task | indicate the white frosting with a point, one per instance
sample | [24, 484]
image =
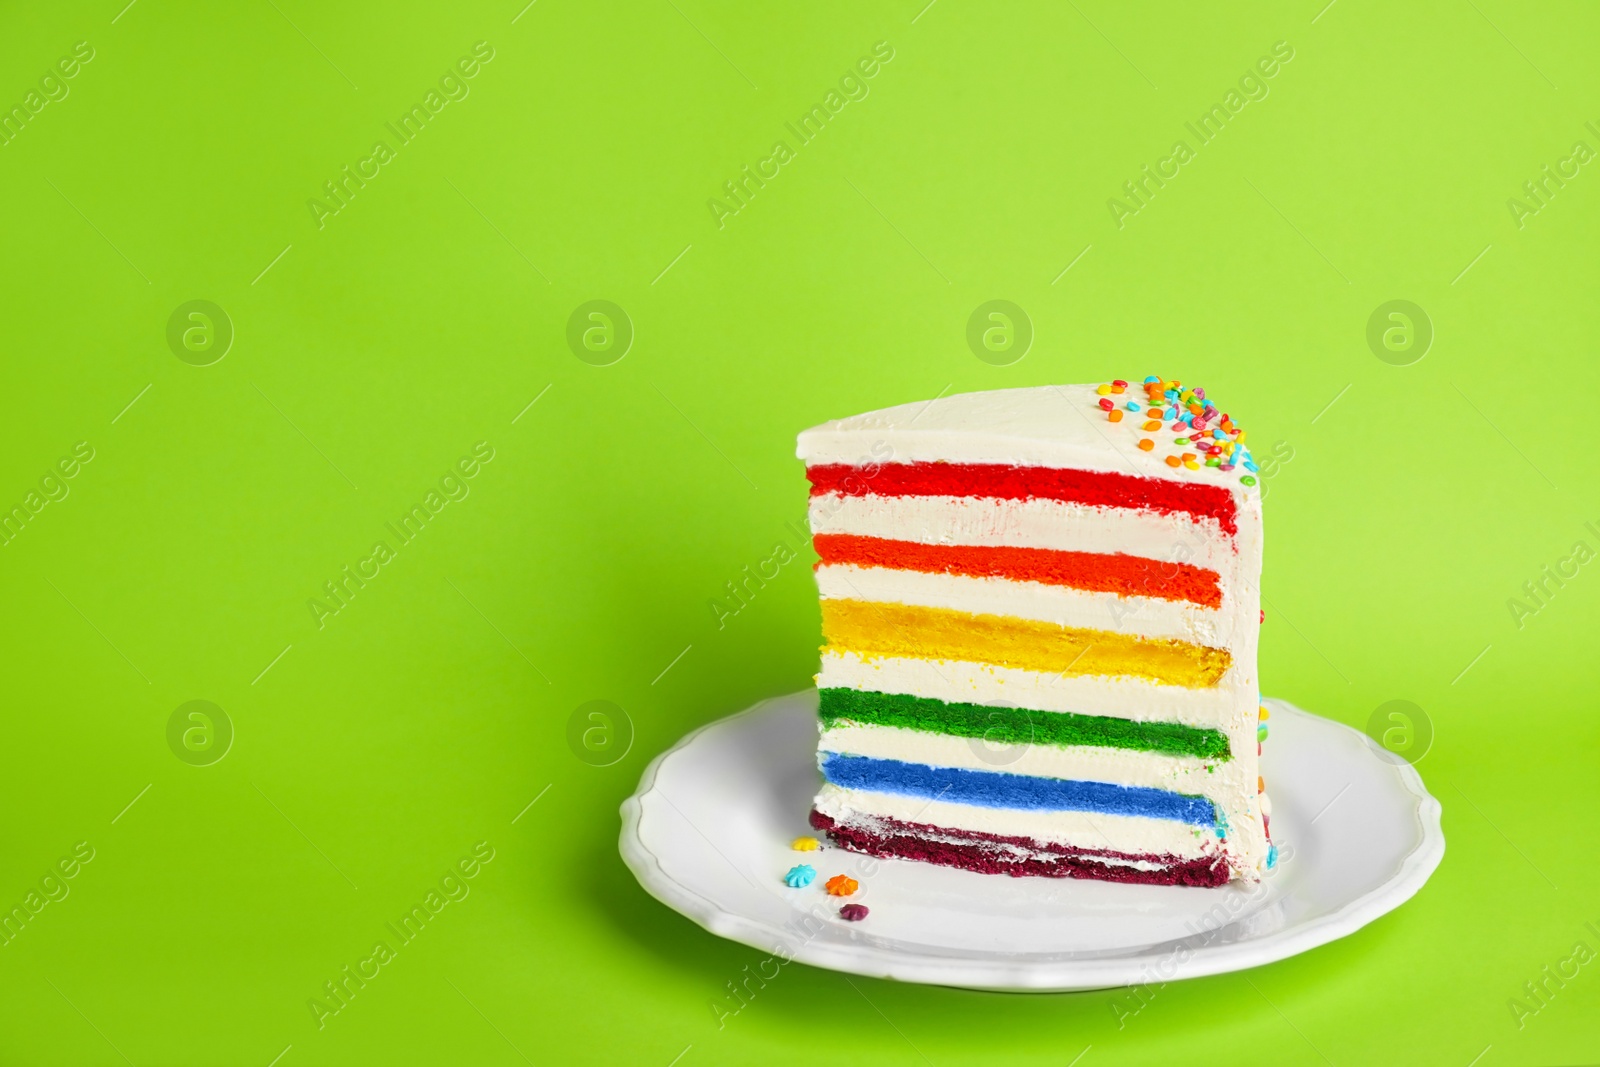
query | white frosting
[1139, 615]
[1193, 775]
[980, 683]
[955, 520]
[1134, 834]
[1045, 426]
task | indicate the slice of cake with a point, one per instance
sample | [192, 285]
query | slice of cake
[1041, 609]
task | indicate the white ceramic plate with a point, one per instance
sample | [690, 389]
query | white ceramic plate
[708, 835]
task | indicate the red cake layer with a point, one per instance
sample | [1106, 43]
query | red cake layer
[1096, 572]
[997, 480]
[978, 852]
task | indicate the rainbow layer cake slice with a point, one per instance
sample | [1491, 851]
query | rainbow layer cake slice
[1040, 610]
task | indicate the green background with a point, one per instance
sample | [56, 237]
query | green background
[372, 752]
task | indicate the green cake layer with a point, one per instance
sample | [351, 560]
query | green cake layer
[1018, 726]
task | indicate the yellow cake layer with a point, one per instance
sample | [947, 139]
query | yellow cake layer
[870, 628]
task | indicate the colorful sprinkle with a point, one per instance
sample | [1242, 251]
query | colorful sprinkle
[1197, 421]
[841, 885]
[1272, 856]
[800, 876]
[1261, 784]
[1261, 732]
[853, 913]
[1266, 713]
[805, 844]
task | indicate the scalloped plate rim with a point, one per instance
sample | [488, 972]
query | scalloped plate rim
[1008, 972]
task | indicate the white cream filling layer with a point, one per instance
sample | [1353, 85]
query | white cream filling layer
[958, 520]
[1143, 616]
[964, 682]
[1222, 781]
[1070, 829]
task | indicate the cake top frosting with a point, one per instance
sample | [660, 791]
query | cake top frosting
[1155, 428]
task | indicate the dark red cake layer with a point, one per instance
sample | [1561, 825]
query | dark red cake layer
[1100, 488]
[978, 853]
